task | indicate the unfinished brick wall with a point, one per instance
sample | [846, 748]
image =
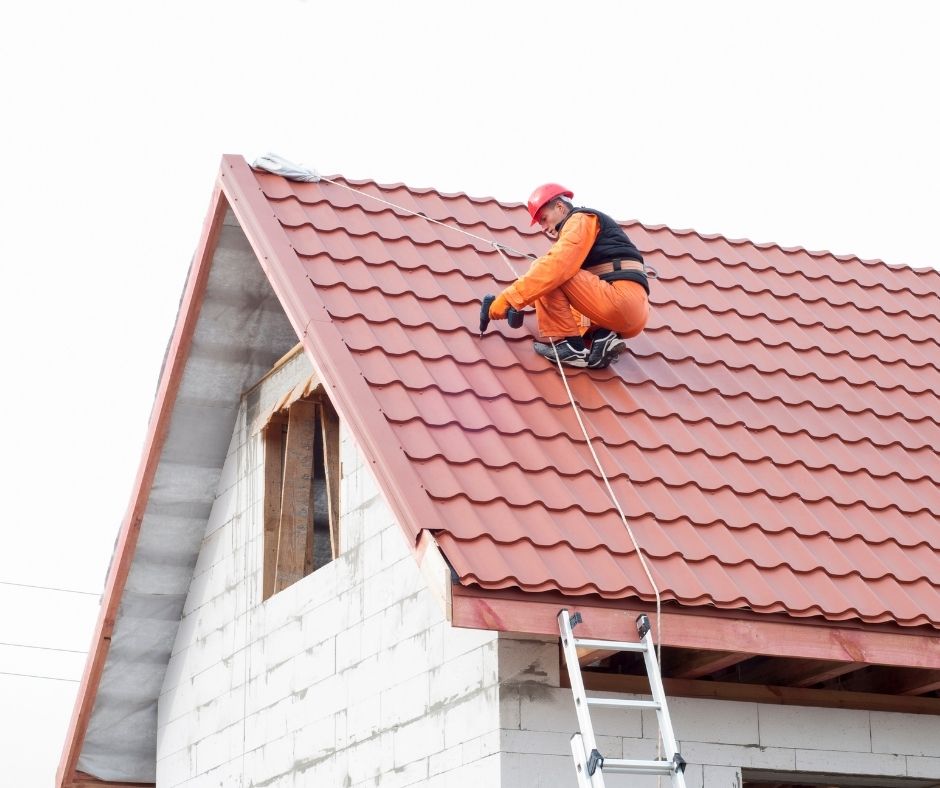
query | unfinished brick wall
[717, 738]
[349, 677]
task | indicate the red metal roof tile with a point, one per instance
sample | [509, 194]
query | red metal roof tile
[772, 436]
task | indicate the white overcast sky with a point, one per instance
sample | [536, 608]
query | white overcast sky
[805, 123]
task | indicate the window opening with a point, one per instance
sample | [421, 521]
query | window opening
[301, 492]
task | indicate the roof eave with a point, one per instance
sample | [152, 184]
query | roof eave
[536, 614]
[158, 428]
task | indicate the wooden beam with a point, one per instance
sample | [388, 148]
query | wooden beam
[82, 780]
[330, 425]
[760, 693]
[536, 614]
[589, 656]
[903, 682]
[694, 664]
[273, 480]
[797, 672]
[296, 517]
[919, 683]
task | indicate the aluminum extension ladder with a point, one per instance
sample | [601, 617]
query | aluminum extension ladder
[588, 761]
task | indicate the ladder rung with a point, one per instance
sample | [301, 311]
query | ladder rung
[638, 767]
[621, 703]
[609, 645]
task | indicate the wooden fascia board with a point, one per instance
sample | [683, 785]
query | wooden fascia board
[537, 615]
[170, 378]
[328, 354]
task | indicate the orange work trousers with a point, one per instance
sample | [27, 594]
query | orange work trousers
[622, 306]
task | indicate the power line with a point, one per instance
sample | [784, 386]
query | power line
[34, 676]
[44, 648]
[49, 588]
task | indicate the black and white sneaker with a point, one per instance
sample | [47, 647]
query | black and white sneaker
[566, 353]
[605, 347]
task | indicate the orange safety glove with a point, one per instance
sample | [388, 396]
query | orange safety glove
[499, 308]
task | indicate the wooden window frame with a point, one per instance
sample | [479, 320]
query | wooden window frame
[290, 439]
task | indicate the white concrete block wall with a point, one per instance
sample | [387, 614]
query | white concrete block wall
[351, 677]
[718, 739]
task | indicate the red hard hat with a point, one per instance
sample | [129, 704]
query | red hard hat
[543, 195]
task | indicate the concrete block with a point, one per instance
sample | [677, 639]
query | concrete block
[510, 711]
[445, 760]
[284, 642]
[418, 739]
[923, 767]
[906, 734]
[721, 777]
[522, 770]
[746, 756]
[483, 772]
[607, 721]
[528, 661]
[321, 620]
[348, 647]
[406, 658]
[880, 764]
[371, 633]
[395, 545]
[174, 736]
[802, 727]
[364, 680]
[314, 665]
[268, 724]
[411, 774]
[223, 510]
[456, 678]
[458, 640]
[544, 708]
[480, 747]
[470, 716]
[218, 747]
[642, 748]
[405, 701]
[278, 756]
[176, 767]
[553, 743]
[363, 761]
[715, 722]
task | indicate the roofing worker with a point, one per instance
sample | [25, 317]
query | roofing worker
[593, 271]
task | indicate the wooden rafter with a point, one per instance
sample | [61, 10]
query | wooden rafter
[695, 664]
[797, 672]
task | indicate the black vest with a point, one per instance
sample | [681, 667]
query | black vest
[611, 244]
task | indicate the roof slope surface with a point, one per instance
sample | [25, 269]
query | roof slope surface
[772, 436]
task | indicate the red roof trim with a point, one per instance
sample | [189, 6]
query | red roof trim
[126, 545]
[536, 615]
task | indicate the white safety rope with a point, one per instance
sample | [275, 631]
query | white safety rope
[610, 490]
[488, 241]
[501, 249]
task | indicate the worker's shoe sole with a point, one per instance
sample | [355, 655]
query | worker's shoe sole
[605, 349]
[568, 355]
